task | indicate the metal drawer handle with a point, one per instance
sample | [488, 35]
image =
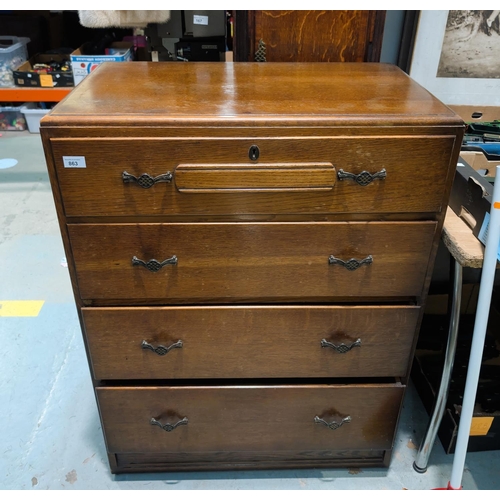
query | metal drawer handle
[351, 264]
[161, 350]
[154, 265]
[364, 178]
[332, 425]
[341, 348]
[145, 180]
[169, 427]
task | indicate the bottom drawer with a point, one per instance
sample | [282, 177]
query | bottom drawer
[249, 418]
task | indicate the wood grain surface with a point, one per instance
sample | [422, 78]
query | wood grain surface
[328, 35]
[249, 341]
[217, 461]
[263, 177]
[243, 94]
[465, 248]
[226, 262]
[249, 418]
[314, 35]
[418, 164]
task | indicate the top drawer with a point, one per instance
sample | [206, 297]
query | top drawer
[226, 177]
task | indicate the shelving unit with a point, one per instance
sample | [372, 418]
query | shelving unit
[39, 94]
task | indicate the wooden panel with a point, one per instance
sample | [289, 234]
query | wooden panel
[249, 418]
[313, 35]
[155, 462]
[251, 341]
[242, 95]
[262, 177]
[226, 262]
[318, 37]
[419, 164]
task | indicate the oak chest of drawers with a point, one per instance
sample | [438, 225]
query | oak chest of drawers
[250, 247]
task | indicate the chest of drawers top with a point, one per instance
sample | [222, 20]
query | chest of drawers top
[141, 94]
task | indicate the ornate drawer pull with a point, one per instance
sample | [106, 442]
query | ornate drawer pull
[161, 350]
[364, 178]
[341, 348]
[351, 264]
[332, 425]
[145, 180]
[169, 427]
[154, 265]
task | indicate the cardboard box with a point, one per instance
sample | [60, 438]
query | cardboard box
[477, 114]
[24, 76]
[83, 65]
[471, 114]
[470, 193]
[481, 164]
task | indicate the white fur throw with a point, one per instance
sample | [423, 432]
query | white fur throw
[122, 18]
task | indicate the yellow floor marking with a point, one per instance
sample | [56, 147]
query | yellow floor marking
[20, 307]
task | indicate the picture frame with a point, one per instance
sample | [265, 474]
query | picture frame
[426, 63]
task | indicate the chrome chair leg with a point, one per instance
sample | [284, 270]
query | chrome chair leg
[420, 464]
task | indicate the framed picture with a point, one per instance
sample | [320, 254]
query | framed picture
[456, 56]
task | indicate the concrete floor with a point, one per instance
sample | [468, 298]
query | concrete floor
[50, 434]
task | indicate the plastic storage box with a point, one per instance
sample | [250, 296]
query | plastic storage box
[33, 116]
[13, 52]
[12, 118]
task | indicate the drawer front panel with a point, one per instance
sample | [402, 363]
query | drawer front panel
[249, 418]
[249, 342]
[224, 262]
[217, 176]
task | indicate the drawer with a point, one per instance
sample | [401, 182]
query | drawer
[249, 418]
[225, 262]
[217, 176]
[249, 341]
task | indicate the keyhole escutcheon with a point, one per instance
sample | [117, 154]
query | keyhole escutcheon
[254, 153]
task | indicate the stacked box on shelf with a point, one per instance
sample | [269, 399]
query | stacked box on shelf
[13, 52]
[26, 76]
[83, 64]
